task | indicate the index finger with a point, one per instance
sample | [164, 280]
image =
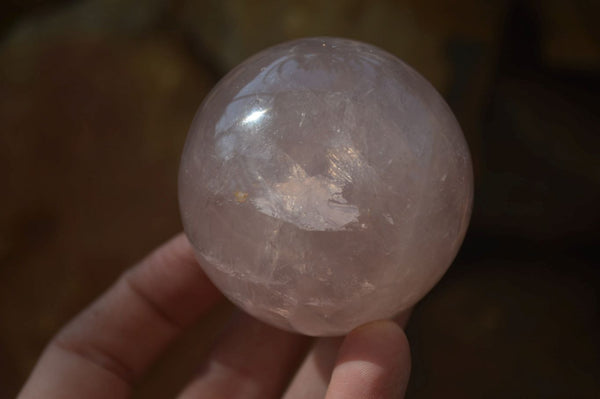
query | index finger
[111, 343]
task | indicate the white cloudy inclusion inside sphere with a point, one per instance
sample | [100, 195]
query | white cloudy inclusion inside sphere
[325, 184]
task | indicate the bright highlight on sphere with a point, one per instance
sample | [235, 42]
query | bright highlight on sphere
[325, 184]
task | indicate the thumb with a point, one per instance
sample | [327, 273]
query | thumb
[373, 362]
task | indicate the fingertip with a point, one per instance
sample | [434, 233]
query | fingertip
[383, 343]
[374, 361]
[383, 329]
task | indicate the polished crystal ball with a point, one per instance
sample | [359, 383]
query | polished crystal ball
[325, 184]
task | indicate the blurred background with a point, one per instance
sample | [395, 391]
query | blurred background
[95, 100]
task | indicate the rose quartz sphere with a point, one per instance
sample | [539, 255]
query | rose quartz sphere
[325, 184]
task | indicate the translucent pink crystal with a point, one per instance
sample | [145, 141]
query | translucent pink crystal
[324, 184]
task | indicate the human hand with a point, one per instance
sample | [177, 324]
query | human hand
[108, 347]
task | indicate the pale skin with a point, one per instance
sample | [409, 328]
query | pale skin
[105, 350]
